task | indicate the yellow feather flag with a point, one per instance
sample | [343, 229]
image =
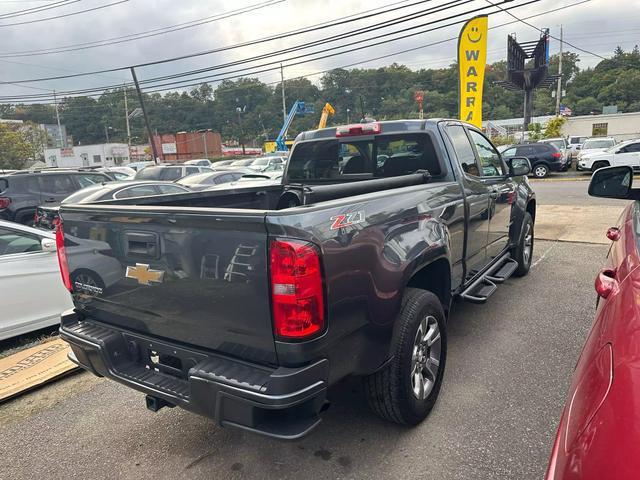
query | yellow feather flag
[472, 59]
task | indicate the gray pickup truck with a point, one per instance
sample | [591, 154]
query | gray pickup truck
[246, 304]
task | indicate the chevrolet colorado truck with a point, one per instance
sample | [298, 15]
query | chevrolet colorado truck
[244, 305]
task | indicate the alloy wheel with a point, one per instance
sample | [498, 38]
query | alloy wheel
[425, 360]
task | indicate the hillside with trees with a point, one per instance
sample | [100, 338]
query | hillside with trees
[251, 109]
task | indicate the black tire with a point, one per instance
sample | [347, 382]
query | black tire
[540, 170]
[598, 165]
[520, 254]
[390, 391]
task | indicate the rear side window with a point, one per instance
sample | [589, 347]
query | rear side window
[191, 170]
[382, 156]
[138, 191]
[3, 184]
[526, 150]
[171, 173]
[57, 184]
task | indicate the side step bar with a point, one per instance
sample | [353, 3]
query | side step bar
[485, 286]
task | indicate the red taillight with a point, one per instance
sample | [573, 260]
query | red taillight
[4, 202]
[358, 129]
[296, 289]
[556, 155]
[62, 256]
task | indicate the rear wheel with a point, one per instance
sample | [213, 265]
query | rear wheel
[540, 170]
[406, 390]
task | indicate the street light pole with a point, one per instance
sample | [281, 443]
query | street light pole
[348, 110]
[106, 133]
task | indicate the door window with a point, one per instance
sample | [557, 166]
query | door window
[490, 161]
[56, 184]
[526, 151]
[12, 242]
[139, 191]
[464, 150]
[631, 148]
[192, 170]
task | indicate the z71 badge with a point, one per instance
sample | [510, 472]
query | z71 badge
[346, 220]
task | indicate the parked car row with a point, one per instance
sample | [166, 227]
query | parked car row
[22, 192]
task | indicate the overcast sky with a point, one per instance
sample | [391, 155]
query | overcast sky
[597, 25]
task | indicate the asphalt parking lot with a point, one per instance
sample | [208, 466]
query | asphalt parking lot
[509, 365]
[508, 368]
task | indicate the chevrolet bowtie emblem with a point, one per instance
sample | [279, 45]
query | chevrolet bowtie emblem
[144, 275]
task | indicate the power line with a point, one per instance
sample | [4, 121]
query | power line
[208, 52]
[564, 41]
[360, 31]
[32, 10]
[140, 35]
[339, 53]
[159, 31]
[99, 7]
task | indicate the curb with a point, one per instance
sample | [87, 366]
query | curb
[566, 179]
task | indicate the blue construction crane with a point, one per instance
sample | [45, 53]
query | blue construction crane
[299, 108]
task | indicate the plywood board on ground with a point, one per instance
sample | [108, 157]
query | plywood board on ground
[33, 367]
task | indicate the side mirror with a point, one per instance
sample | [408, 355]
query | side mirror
[613, 182]
[48, 245]
[519, 166]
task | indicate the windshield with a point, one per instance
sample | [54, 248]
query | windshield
[597, 144]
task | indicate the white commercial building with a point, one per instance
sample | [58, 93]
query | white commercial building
[105, 155]
[621, 126]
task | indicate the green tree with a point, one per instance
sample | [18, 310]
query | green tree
[14, 148]
[554, 127]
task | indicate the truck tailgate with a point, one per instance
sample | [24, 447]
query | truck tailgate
[194, 276]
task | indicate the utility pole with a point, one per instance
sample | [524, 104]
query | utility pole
[204, 139]
[284, 105]
[106, 133]
[126, 116]
[55, 101]
[146, 118]
[559, 91]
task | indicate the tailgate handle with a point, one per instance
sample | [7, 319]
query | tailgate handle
[142, 244]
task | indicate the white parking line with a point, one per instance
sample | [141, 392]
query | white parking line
[544, 254]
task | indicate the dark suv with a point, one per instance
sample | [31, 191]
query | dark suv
[544, 157]
[22, 192]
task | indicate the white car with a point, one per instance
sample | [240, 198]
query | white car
[594, 146]
[626, 153]
[575, 144]
[32, 295]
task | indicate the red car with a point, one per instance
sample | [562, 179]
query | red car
[599, 432]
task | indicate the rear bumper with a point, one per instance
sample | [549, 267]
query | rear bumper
[278, 402]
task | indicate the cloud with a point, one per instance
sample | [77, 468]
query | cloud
[594, 26]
